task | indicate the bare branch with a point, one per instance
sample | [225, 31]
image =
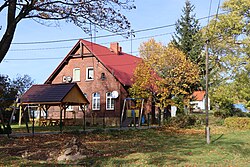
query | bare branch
[4, 5]
[105, 14]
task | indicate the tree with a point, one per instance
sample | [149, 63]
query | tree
[228, 35]
[188, 37]
[164, 73]
[106, 14]
[10, 89]
[22, 83]
[7, 92]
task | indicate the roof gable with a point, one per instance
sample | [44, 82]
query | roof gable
[121, 65]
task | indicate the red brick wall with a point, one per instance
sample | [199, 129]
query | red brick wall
[89, 87]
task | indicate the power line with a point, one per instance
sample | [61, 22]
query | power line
[104, 43]
[105, 36]
[209, 12]
[142, 30]
[47, 58]
[30, 49]
[38, 58]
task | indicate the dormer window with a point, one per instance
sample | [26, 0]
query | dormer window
[90, 73]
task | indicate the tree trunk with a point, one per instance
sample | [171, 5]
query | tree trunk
[10, 30]
[153, 112]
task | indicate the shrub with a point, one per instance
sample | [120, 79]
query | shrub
[216, 121]
[238, 113]
[248, 114]
[222, 113]
[185, 121]
[237, 122]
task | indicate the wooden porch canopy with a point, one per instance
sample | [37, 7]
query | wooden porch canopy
[62, 95]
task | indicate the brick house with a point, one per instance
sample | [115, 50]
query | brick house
[98, 71]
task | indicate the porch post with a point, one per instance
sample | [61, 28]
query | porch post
[84, 116]
[26, 117]
[20, 116]
[33, 122]
[61, 124]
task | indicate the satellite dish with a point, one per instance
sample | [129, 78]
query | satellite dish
[64, 79]
[69, 79]
[114, 94]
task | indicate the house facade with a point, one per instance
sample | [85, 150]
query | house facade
[198, 102]
[104, 76]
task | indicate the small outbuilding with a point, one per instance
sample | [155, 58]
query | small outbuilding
[198, 101]
[46, 95]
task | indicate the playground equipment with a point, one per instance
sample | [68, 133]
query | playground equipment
[132, 112]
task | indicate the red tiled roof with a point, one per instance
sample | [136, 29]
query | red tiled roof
[199, 95]
[121, 65]
[51, 93]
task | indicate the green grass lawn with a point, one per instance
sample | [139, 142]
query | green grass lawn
[157, 148]
[152, 147]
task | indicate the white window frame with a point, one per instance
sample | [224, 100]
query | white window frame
[96, 101]
[76, 78]
[110, 102]
[87, 73]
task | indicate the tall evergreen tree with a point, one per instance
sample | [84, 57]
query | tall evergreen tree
[188, 37]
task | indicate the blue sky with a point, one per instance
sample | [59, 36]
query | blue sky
[149, 14]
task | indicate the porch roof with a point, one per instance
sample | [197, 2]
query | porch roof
[54, 94]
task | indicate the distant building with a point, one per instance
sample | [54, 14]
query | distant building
[198, 102]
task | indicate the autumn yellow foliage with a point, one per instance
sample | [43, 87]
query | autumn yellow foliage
[165, 72]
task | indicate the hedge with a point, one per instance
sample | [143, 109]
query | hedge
[237, 122]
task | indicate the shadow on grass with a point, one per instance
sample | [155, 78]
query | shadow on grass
[154, 147]
[213, 141]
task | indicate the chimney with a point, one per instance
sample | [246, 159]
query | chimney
[114, 46]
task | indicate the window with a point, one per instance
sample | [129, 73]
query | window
[96, 101]
[110, 102]
[76, 74]
[89, 73]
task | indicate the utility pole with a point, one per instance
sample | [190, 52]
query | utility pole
[207, 131]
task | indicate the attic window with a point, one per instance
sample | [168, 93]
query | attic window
[76, 74]
[89, 73]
